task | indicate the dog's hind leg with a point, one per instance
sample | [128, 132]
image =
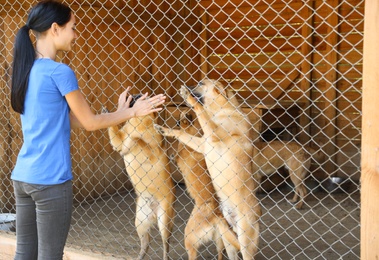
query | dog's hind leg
[144, 221]
[229, 239]
[298, 172]
[219, 245]
[248, 236]
[165, 215]
[247, 224]
[194, 233]
[190, 242]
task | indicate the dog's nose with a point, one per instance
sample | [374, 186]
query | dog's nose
[134, 99]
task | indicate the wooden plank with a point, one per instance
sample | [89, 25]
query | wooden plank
[11, 24]
[260, 74]
[251, 45]
[306, 70]
[259, 14]
[268, 59]
[5, 130]
[251, 32]
[330, 93]
[203, 45]
[285, 84]
[370, 138]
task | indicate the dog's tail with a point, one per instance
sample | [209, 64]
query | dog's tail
[227, 234]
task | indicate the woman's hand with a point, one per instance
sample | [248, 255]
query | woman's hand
[123, 102]
[143, 106]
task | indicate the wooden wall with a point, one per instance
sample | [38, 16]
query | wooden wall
[10, 131]
[283, 53]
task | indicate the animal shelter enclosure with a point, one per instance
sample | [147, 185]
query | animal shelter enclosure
[295, 69]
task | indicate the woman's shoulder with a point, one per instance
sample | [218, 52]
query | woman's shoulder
[53, 65]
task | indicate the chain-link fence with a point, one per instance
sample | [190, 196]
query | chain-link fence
[295, 67]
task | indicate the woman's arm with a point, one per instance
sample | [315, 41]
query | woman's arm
[82, 115]
[74, 121]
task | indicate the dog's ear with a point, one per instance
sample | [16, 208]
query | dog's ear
[230, 93]
[219, 88]
[232, 97]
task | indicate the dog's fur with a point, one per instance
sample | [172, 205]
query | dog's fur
[226, 147]
[147, 165]
[271, 156]
[206, 222]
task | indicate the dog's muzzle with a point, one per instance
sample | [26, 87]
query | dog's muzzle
[134, 99]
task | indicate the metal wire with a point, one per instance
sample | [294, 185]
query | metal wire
[295, 67]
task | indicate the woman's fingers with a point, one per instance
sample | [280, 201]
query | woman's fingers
[123, 95]
[122, 100]
[157, 100]
[147, 106]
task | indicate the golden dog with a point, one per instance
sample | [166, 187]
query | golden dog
[206, 222]
[226, 147]
[270, 156]
[147, 165]
[294, 157]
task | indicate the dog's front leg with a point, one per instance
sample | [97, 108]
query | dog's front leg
[116, 135]
[126, 145]
[116, 138]
[194, 142]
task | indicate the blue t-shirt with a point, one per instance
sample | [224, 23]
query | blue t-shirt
[45, 154]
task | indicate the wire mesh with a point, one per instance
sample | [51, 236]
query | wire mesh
[295, 68]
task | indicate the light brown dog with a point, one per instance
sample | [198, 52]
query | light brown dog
[294, 157]
[206, 223]
[270, 156]
[226, 147]
[147, 165]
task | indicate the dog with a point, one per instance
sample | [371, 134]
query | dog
[147, 166]
[206, 222]
[271, 156]
[226, 147]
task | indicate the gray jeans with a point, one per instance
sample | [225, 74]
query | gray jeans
[43, 217]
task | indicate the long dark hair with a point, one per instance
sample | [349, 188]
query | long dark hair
[40, 19]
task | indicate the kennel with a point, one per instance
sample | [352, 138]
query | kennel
[295, 66]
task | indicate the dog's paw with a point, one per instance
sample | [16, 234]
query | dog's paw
[104, 110]
[185, 93]
[160, 129]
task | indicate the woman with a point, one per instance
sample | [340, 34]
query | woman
[47, 96]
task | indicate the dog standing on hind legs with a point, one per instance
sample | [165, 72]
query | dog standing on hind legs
[147, 166]
[226, 146]
[206, 222]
